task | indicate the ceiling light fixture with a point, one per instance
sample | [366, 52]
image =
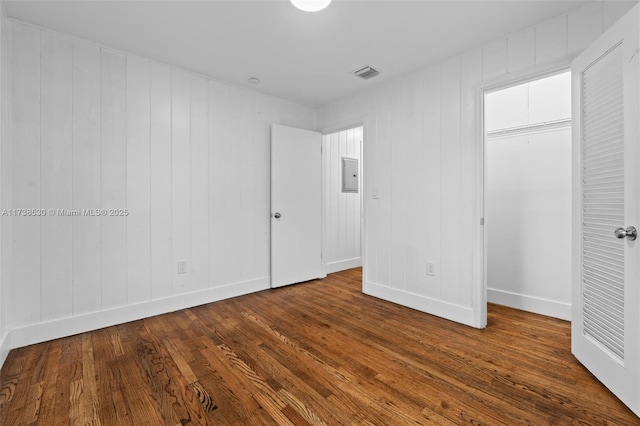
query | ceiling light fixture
[310, 5]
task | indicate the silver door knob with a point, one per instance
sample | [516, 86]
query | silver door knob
[277, 215]
[631, 233]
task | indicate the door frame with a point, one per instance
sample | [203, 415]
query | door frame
[361, 121]
[479, 238]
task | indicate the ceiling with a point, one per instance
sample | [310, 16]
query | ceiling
[305, 57]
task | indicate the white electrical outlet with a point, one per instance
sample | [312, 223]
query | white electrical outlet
[182, 266]
[431, 269]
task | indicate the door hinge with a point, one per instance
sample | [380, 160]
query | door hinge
[482, 221]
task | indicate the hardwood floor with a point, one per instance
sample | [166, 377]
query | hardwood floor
[313, 353]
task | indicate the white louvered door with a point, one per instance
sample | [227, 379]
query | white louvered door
[606, 297]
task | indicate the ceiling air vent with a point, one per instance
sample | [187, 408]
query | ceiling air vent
[366, 72]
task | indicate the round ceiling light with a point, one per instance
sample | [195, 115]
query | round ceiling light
[311, 5]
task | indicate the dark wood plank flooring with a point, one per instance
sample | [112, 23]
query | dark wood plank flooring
[317, 353]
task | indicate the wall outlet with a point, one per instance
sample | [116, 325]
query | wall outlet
[431, 269]
[182, 266]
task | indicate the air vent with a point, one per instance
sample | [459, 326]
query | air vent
[366, 72]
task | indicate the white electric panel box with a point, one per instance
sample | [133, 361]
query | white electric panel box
[350, 175]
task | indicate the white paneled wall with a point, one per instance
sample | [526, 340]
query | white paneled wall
[181, 161]
[342, 210]
[422, 154]
[5, 345]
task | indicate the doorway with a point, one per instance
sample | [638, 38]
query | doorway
[342, 199]
[527, 133]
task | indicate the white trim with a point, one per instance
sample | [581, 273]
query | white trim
[5, 347]
[43, 331]
[342, 125]
[342, 265]
[537, 305]
[462, 314]
[325, 213]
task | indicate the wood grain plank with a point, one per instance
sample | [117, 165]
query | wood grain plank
[314, 353]
[92, 414]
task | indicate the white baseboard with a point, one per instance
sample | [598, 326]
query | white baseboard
[55, 329]
[343, 265]
[457, 313]
[5, 347]
[550, 308]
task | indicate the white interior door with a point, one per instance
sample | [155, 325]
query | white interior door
[296, 205]
[606, 303]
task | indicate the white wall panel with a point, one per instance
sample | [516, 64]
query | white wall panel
[343, 199]
[449, 159]
[430, 159]
[162, 267]
[199, 179]
[230, 121]
[114, 177]
[24, 293]
[332, 207]
[413, 182]
[243, 171]
[494, 60]
[4, 346]
[521, 50]
[181, 176]
[86, 178]
[470, 155]
[551, 40]
[584, 26]
[450, 182]
[398, 188]
[123, 132]
[218, 214]
[56, 178]
[384, 105]
[261, 187]
[356, 211]
[138, 180]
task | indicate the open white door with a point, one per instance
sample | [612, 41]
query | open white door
[296, 205]
[606, 116]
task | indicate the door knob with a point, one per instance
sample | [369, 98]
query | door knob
[277, 216]
[631, 233]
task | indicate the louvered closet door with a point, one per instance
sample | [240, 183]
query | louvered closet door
[606, 302]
